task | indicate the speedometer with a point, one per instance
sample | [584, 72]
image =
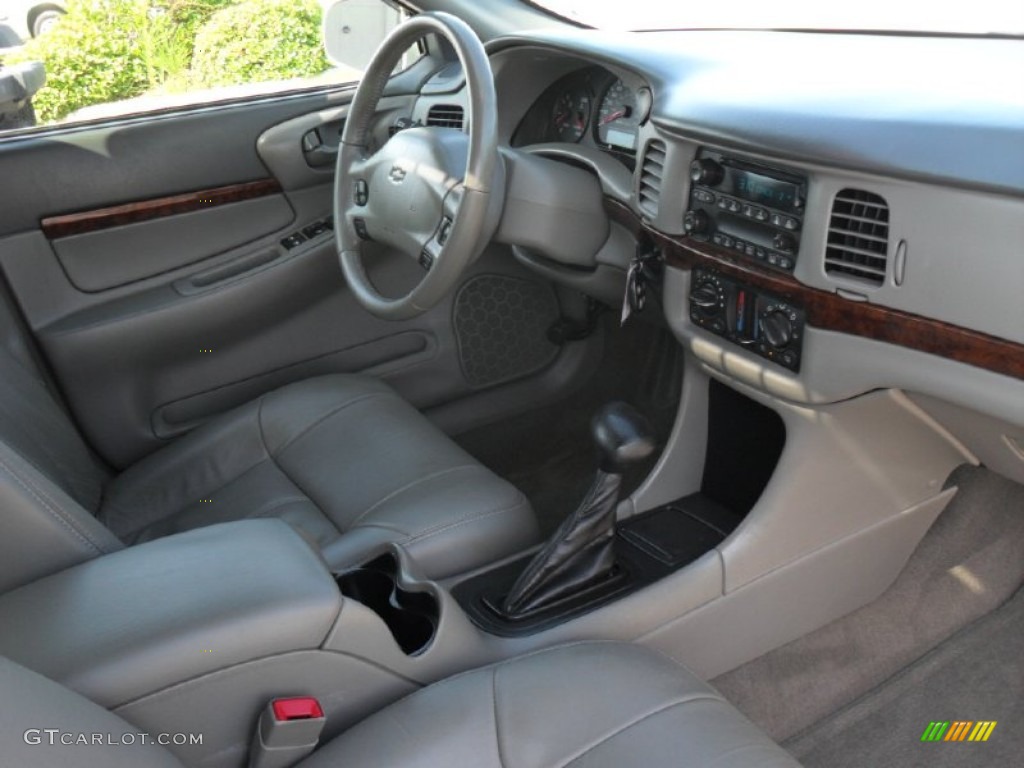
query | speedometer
[618, 118]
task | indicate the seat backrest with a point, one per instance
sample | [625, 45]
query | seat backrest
[33, 425]
[45, 725]
[50, 482]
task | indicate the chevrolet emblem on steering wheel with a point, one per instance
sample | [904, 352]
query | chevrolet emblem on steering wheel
[397, 174]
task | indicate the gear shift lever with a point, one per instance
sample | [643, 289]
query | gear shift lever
[581, 552]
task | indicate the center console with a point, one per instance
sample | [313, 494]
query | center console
[198, 632]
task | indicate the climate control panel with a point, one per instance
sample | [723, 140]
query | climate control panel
[763, 324]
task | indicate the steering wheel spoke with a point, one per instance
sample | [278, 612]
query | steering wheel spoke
[411, 194]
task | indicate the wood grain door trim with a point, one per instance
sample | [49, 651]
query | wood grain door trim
[65, 225]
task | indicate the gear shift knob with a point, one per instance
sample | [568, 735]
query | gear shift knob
[622, 435]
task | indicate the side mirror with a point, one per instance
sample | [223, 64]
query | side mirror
[353, 29]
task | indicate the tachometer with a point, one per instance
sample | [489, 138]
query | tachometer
[572, 115]
[618, 118]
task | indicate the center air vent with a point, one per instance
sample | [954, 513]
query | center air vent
[445, 116]
[858, 236]
[652, 169]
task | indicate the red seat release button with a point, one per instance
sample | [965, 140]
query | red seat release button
[298, 708]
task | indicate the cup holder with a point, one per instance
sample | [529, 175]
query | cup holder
[411, 617]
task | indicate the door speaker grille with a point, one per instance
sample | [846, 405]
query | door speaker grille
[501, 326]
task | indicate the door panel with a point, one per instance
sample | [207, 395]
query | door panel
[159, 320]
[115, 256]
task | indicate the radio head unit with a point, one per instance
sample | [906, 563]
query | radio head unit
[751, 209]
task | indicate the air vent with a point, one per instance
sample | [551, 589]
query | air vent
[652, 170]
[445, 116]
[858, 236]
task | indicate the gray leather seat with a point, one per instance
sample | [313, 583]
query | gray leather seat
[591, 705]
[342, 458]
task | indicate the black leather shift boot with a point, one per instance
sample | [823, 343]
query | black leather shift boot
[579, 554]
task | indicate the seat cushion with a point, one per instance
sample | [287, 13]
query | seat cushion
[589, 705]
[342, 458]
[45, 725]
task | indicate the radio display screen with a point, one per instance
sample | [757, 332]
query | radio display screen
[774, 193]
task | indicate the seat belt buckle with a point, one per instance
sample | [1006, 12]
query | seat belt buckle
[288, 730]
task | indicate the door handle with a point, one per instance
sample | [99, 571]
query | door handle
[320, 145]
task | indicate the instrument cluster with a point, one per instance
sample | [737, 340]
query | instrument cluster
[588, 106]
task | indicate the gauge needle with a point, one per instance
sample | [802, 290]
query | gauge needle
[613, 116]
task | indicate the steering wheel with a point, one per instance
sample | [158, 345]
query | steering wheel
[435, 194]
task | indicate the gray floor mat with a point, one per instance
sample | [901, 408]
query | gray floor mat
[969, 563]
[976, 675]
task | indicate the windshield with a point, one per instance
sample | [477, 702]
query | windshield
[975, 17]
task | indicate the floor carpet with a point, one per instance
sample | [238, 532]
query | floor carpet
[967, 565]
[977, 675]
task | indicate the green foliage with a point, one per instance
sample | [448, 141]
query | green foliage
[259, 40]
[93, 54]
[108, 50]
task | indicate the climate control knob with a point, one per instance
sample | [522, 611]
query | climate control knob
[704, 296]
[777, 328]
[707, 172]
[696, 222]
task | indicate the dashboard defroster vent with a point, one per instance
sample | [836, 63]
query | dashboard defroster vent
[446, 116]
[652, 171]
[858, 236]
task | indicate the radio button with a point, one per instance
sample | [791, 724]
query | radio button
[734, 206]
[696, 222]
[761, 253]
[785, 263]
[784, 242]
[703, 196]
[790, 223]
[777, 219]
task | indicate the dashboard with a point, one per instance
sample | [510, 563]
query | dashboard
[830, 220]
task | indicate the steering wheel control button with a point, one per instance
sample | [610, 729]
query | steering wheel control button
[362, 192]
[426, 260]
[359, 225]
[444, 230]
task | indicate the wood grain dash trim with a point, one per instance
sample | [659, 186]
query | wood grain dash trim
[832, 312]
[55, 227]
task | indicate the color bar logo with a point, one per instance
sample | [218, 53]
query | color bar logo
[958, 730]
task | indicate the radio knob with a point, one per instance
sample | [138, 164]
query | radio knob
[705, 297]
[777, 328]
[707, 172]
[696, 222]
